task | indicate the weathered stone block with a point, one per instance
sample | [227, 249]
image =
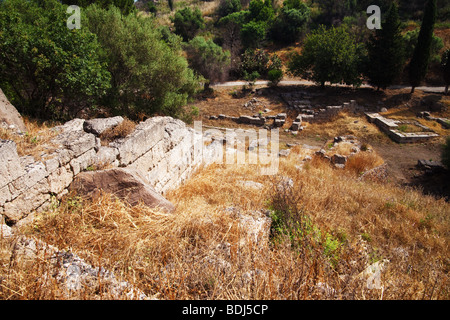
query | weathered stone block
[124, 183]
[106, 155]
[82, 162]
[339, 159]
[10, 168]
[5, 195]
[60, 179]
[146, 135]
[99, 125]
[27, 201]
[33, 174]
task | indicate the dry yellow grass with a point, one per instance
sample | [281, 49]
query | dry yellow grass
[35, 141]
[203, 252]
[345, 124]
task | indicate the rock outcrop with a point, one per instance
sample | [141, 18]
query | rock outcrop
[125, 183]
[9, 114]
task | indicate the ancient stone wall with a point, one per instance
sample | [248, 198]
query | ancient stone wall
[161, 148]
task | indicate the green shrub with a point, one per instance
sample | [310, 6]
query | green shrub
[187, 23]
[290, 22]
[46, 69]
[331, 55]
[260, 61]
[227, 7]
[275, 76]
[149, 75]
[208, 59]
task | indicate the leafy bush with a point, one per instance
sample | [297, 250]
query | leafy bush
[329, 55]
[208, 59]
[46, 69]
[125, 6]
[148, 75]
[260, 61]
[227, 7]
[410, 39]
[187, 22]
[275, 76]
[290, 22]
[253, 33]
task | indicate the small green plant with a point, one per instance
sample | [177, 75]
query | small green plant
[403, 128]
[366, 237]
[275, 76]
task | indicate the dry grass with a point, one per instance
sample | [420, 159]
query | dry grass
[363, 161]
[120, 131]
[203, 252]
[35, 141]
[345, 124]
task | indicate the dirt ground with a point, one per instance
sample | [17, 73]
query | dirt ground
[400, 104]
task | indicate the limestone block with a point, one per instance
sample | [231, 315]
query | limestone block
[144, 163]
[146, 135]
[339, 159]
[5, 195]
[34, 173]
[82, 162]
[106, 155]
[9, 114]
[175, 130]
[27, 201]
[71, 126]
[80, 142]
[60, 179]
[99, 125]
[64, 156]
[52, 164]
[156, 174]
[10, 168]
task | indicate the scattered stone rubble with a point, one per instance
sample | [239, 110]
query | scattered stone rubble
[71, 274]
[306, 113]
[427, 115]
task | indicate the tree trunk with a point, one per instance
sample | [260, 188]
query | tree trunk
[412, 89]
[446, 90]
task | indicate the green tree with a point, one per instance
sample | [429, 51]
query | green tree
[410, 39]
[290, 21]
[46, 69]
[329, 55]
[260, 10]
[125, 6]
[208, 59]
[446, 69]
[148, 74]
[418, 66]
[386, 56]
[227, 7]
[187, 23]
[253, 33]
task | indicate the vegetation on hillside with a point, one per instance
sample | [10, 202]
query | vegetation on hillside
[124, 62]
